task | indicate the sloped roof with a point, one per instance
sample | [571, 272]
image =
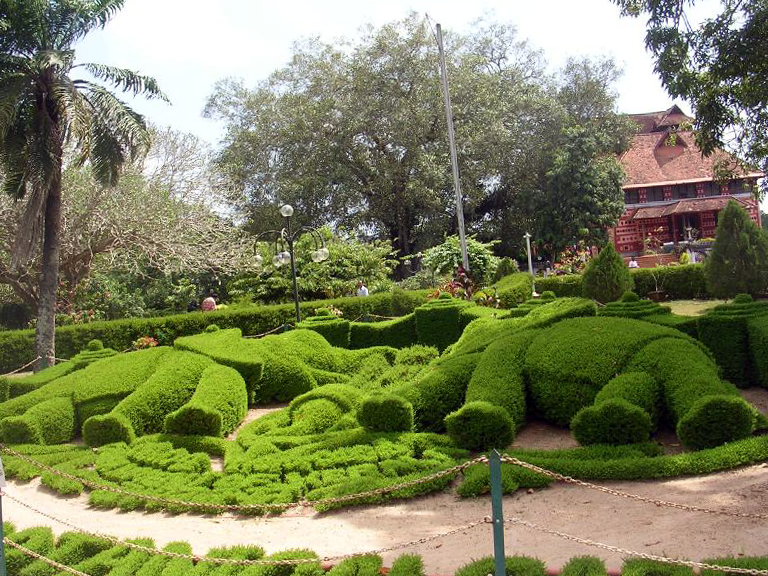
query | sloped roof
[688, 206]
[661, 120]
[653, 160]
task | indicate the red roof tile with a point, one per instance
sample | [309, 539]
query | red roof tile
[685, 207]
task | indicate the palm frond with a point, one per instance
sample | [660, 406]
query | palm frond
[107, 155]
[127, 80]
[90, 15]
[30, 229]
[125, 123]
[73, 110]
[12, 86]
[60, 60]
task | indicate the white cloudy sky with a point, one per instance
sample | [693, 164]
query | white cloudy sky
[190, 44]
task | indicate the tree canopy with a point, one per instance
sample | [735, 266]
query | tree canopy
[353, 135]
[719, 66]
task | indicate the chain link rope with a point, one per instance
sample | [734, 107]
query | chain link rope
[628, 495]
[20, 368]
[231, 561]
[626, 552]
[248, 507]
[268, 332]
[36, 556]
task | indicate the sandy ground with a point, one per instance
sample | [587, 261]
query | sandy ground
[571, 509]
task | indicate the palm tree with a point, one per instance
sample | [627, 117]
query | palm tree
[47, 116]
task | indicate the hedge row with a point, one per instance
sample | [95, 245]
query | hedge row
[514, 289]
[16, 347]
[679, 282]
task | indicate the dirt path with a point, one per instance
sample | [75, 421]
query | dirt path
[574, 510]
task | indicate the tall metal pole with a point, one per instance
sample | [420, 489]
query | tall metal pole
[2, 530]
[498, 514]
[293, 269]
[527, 237]
[452, 145]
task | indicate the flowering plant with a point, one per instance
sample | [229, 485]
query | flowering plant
[144, 342]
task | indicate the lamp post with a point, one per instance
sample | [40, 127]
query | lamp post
[285, 238]
[527, 237]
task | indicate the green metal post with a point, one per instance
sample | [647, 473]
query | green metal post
[498, 515]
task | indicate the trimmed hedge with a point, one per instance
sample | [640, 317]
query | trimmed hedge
[758, 344]
[725, 331]
[479, 426]
[407, 565]
[633, 309]
[334, 330]
[437, 322]
[514, 289]
[568, 285]
[216, 408]
[584, 566]
[614, 421]
[398, 333]
[513, 566]
[17, 346]
[686, 324]
[386, 413]
[50, 422]
[695, 394]
[144, 411]
[11, 387]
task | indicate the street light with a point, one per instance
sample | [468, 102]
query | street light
[285, 238]
[527, 237]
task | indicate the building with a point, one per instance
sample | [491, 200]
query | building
[670, 190]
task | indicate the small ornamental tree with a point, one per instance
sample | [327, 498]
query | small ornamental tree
[606, 277]
[739, 259]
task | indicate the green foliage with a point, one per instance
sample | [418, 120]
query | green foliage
[38, 540]
[50, 422]
[368, 565]
[606, 277]
[753, 562]
[739, 259]
[16, 347]
[613, 421]
[758, 345]
[398, 333]
[679, 282]
[437, 322]
[479, 426]
[638, 388]
[561, 286]
[643, 567]
[686, 324]
[216, 408]
[335, 330]
[19, 386]
[713, 420]
[407, 565]
[386, 413]
[514, 289]
[584, 566]
[446, 258]
[633, 308]
[514, 566]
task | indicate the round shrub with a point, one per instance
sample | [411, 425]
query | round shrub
[743, 299]
[606, 277]
[211, 328]
[416, 355]
[445, 296]
[547, 296]
[630, 296]
[386, 413]
[480, 426]
[638, 388]
[108, 428]
[94, 345]
[614, 421]
[714, 420]
[316, 416]
[517, 565]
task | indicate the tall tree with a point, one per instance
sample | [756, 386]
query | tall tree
[719, 66]
[44, 111]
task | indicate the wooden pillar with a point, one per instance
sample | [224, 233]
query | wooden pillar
[674, 227]
[667, 192]
[699, 189]
[642, 195]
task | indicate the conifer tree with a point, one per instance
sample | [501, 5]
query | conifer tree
[607, 276]
[739, 259]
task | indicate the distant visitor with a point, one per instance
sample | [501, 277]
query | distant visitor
[362, 289]
[209, 304]
[633, 263]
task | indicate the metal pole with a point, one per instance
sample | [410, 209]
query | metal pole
[2, 530]
[530, 261]
[498, 515]
[452, 145]
[293, 270]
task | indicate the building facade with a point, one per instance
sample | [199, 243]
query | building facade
[671, 191]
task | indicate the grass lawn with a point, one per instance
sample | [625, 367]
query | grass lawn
[692, 307]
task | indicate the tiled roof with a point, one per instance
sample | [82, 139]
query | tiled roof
[685, 207]
[651, 160]
[661, 120]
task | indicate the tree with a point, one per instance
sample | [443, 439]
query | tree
[739, 259]
[606, 277]
[44, 112]
[718, 66]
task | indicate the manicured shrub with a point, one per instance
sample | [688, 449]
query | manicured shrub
[416, 355]
[93, 351]
[335, 330]
[398, 333]
[386, 413]
[368, 565]
[643, 567]
[749, 562]
[614, 421]
[169, 388]
[216, 408]
[17, 386]
[499, 379]
[38, 540]
[407, 565]
[758, 345]
[633, 308]
[479, 426]
[437, 323]
[686, 324]
[679, 282]
[108, 428]
[439, 390]
[584, 566]
[567, 285]
[514, 566]
[606, 277]
[638, 388]
[514, 289]
[345, 397]
[50, 422]
[738, 262]
[692, 387]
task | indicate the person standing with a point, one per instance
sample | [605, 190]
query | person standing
[209, 304]
[633, 263]
[362, 290]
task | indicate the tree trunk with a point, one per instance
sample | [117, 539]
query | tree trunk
[45, 335]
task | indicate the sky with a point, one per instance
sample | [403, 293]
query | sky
[188, 45]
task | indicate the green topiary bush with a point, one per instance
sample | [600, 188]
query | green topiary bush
[643, 567]
[584, 566]
[606, 277]
[437, 322]
[398, 333]
[638, 388]
[335, 330]
[480, 426]
[514, 289]
[714, 420]
[614, 421]
[514, 566]
[367, 565]
[50, 422]
[407, 565]
[738, 262]
[386, 413]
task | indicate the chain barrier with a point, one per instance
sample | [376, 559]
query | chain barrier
[231, 561]
[621, 494]
[247, 507]
[21, 368]
[625, 552]
[268, 332]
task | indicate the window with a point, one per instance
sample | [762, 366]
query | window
[631, 197]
